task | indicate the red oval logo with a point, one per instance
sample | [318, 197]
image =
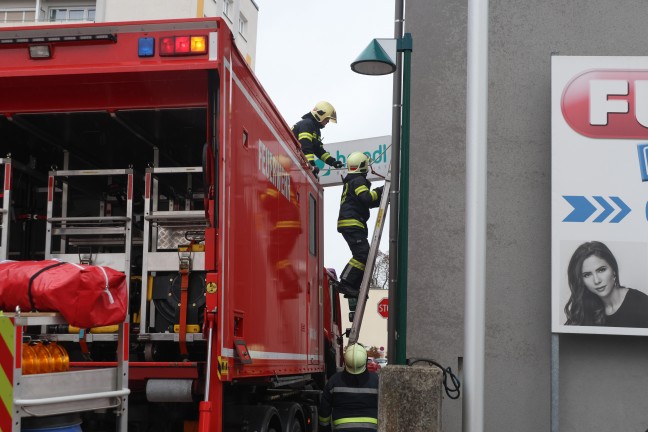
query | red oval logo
[608, 104]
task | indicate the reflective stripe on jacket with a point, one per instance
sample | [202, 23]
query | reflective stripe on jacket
[357, 199]
[308, 133]
[350, 402]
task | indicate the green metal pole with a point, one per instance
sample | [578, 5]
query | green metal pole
[404, 46]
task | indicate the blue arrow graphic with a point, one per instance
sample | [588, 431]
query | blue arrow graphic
[607, 209]
[582, 208]
[624, 210]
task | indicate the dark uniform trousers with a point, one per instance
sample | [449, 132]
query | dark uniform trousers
[359, 245]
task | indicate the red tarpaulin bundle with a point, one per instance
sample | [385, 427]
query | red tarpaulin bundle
[86, 295]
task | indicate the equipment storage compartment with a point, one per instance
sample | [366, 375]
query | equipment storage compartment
[40, 395]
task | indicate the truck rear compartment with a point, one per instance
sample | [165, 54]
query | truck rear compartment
[97, 140]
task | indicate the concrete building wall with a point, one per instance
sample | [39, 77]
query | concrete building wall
[122, 10]
[603, 379]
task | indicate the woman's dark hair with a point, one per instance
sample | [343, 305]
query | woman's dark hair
[583, 307]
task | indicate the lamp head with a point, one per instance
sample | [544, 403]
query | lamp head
[374, 60]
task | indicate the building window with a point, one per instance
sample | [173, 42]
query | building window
[242, 27]
[17, 15]
[228, 8]
[72, 14]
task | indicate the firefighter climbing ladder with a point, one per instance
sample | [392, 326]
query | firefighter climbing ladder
[371, 261]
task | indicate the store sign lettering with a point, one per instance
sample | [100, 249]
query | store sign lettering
[610, 104]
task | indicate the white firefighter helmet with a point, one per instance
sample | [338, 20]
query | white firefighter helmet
[355, 359]
[324, 110]
[358, 162]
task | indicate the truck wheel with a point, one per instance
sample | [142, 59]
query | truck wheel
[295, 426]
[291, 415]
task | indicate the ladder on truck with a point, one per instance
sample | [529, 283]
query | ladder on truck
[5, 208]
[354, 333]
[173, 250]
[104, 239]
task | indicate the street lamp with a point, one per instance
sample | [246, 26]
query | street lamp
[380, 58]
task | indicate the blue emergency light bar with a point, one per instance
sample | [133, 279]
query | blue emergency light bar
[146, 47]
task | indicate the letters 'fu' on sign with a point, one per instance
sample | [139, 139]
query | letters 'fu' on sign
[599, 195]
[383, 307]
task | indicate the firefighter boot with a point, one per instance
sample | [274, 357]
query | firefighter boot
[344, 288]
[350, 282]
[348, 291]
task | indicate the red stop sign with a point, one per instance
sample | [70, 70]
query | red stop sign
[383, 307]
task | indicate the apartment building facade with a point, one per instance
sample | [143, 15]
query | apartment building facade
[240, 15]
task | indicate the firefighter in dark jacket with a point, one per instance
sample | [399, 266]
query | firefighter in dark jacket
[357, 199]
[350, 399]
[308, 133]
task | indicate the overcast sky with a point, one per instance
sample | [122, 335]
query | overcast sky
[304, 52]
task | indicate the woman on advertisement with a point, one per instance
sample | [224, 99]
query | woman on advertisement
[597, 296]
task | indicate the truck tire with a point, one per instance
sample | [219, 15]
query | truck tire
[295, 425]
[259, 418]
[292, 416]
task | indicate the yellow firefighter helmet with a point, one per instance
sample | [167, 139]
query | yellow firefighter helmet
[358, 162]
[324, 110]
[355, 359]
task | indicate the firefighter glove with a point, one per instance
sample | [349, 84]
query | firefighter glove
[379, 191]
[338, 164]
[315, 170]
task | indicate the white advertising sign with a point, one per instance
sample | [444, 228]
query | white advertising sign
[378, 149]
[599, 193]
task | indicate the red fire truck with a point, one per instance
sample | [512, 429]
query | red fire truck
[151, 148]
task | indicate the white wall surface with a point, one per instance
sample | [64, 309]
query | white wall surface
[374, 327]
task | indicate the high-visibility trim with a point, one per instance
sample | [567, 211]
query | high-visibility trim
[7, 353]
[306, 135]
[354, 390]
[348, 420]
[361, 189]
[374, 195]
[344, 193]
[342, 223]
[357, 264]
[324, 421]
[325, 156]
[288, 224]
[263, 355]
[310, 157]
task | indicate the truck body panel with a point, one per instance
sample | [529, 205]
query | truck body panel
[224, 251]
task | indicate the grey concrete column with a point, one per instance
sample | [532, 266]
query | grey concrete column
[410, 398]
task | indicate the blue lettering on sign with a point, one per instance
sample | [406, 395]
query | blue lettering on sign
[583, 209]
[377, 156]
[642, 150]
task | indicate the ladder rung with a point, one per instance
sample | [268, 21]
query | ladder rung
[192, 215]
[88, 230]
[98, 219]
